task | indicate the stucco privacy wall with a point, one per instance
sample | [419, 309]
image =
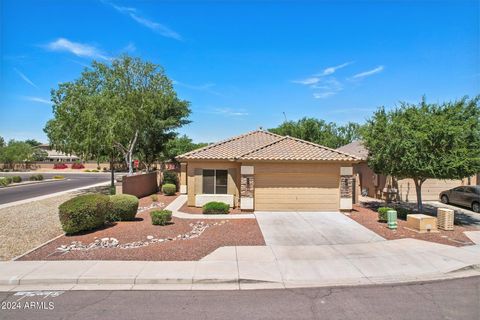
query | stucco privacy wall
[140, 185]
[195, 182]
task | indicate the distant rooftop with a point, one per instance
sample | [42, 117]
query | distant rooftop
[355, 148]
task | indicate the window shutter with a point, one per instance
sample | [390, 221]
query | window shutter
[198, 181]
[231, 186]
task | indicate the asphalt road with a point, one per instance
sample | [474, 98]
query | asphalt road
[72, 181]
[452, 299]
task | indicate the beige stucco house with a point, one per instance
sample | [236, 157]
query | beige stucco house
[376, 185]
[263, 171]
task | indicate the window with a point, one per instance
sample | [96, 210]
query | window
[459, 189]
[215, 181]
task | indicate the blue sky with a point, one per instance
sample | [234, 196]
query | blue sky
[242, 64]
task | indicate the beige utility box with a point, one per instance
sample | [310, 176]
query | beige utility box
[445, 218]
[422, 223]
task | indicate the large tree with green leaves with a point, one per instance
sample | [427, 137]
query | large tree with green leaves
[180, 145]
[16, 152]
[115, 107]
[428, 140]
[319, 131]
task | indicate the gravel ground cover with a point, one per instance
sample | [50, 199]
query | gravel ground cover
[26, 226]
[194, 210]
[183, 239]
[368, 218]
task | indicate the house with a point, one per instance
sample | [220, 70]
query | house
[264, 171]
[376, 185]
[57, 156]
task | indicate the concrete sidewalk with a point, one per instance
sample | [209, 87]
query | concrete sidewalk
[254, 267]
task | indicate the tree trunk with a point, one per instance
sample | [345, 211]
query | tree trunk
[418, 189]
[130, 153]
[112, 171]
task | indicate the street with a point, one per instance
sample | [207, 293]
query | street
[452, 299]
[72, 181]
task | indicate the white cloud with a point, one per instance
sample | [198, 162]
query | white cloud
[307, 81]
[332, 70]
[323, 95]
[25, 78]
[38, 99]
[230, 112]
[130, 47]
[152, 25]
[368, 73]
[78, 49]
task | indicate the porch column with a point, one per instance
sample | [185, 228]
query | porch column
[247, 187]
[183, 178]
[346, 188]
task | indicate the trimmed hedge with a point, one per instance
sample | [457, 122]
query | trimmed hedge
[4, 182]
[169, 189]
[58, 177]
[36, 177]
[84, 212]
[78, 165]
[161, 217]
[60, 166]
[17, 179]
[170, 177]
[123, 207]
[154, 197]
[382, 213]
[215, 207]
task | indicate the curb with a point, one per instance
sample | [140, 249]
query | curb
[37, 247]
[27, 183]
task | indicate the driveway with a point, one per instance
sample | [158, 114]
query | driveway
[462, 215]
[312, 228]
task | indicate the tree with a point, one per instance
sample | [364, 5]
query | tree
[2, 142]
[438, 141]
[112, 108]
[180, 145]
[319, 131]
[33, 142]
[39, 154]
[16, 152]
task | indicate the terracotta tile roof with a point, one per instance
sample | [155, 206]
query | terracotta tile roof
[355, 148]
[264, 145]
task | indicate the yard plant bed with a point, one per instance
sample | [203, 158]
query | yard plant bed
[183, 239]
[369, 219]
[194, 210]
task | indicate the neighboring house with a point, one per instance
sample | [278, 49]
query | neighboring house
[376, 185]
[263, 171]
[57, 156]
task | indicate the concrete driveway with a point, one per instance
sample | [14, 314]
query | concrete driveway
[312, 228]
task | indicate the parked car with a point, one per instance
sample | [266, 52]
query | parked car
[467, 196]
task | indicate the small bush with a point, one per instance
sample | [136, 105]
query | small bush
[8, 179]
[39, 177]
[36, 177]
[58, 177]
[154, 197]
[123, 207]
[402, 213]
[86, 170]
[4, 182]
[85, 212]
[382, 213]
[78, 165]
[113, 190]
[60, 166]
[94, 170]
[169, 189]
[161, 217]
[16, 179]
[105, 169]
[170, 177]
[215, 207]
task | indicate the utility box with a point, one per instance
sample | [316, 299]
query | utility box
[445, 218]
[422, 223]
[392, 219]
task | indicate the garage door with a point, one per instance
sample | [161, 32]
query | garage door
[296, 192]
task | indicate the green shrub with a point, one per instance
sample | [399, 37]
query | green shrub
[84, 212]
[169, 189]
[123, 207]
[4, 182]
[161, 217]
[17, 179]
[402, 212]
[86, 170]
[215, 207]
[382, 213]
[39, 177]
[113, 190]
[33, 178]
[94, 170]
[9, 179]
[58, 177]
[154, 197]
[170, 177]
